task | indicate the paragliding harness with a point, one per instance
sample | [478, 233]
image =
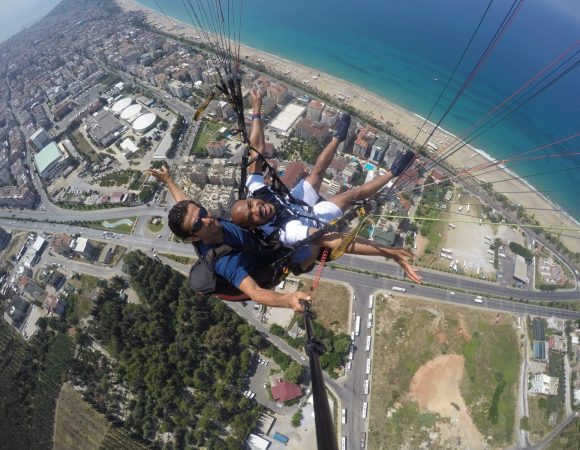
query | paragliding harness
[204, 281]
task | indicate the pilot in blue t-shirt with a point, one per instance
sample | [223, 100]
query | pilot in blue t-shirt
[238, 264]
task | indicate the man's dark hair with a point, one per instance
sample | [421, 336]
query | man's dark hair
[176, 216]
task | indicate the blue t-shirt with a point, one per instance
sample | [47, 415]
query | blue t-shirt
[237, 265]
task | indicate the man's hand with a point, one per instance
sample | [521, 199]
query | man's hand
[256, 100]
[162, 174]
[402, 259]
[294, 302]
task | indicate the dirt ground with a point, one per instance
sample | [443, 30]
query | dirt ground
[435, 387]
[331, 304]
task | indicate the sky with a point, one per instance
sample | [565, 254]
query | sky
[16, 14]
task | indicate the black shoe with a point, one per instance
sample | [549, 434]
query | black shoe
[402, 161]
[342, 128]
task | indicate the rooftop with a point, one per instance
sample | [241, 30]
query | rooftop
[47, 156]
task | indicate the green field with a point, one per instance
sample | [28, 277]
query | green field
[408, 334]
[207, 132]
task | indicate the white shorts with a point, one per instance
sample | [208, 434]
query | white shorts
[324, 211]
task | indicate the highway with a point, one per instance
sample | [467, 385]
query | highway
[379, 265]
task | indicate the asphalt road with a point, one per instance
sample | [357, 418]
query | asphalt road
[456, 281]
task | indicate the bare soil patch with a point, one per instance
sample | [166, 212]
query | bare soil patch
[435, 387]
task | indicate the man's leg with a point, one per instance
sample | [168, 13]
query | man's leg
[325, 158]
[257, 139]
[345, 200]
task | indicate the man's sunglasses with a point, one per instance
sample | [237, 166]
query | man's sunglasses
[197, 224]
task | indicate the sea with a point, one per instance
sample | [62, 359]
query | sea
[405, 51]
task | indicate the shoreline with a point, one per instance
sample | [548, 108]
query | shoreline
[402, 121]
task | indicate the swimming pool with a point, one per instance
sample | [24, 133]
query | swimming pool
[369, 166]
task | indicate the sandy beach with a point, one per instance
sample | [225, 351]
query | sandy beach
[402, 121]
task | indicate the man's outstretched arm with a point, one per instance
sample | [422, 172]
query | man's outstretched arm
[270, 298]
[163, 175]
[361, 246]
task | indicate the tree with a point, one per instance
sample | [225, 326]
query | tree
[294, 372]
[277, 330]
[297, 418]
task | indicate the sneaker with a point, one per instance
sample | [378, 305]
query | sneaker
[342, 128]
[402, 161]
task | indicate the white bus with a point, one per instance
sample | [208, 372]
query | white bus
[365, 408]
[370, 320]
[351, 352]
[371, 301]
[343, 443]
[368, 347]
[399, 289]
[366, 387]
[357, 325]
[368, 366]
[343, 415]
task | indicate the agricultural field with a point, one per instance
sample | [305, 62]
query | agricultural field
[449, 379]
[78, 425]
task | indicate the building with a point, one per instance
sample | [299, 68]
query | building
[50, 160]
[144, 123]
[16, 312]
[314, 110]
[364, 142]
[104, 128]
[286, 119]
[178, 88]
[40, 138]
[379, 149]
[120, 105]
[84, 248]
[216, 149]
[17, 197]
[521, 269]
[61, 244]
[540, 349]
[128, 147]
[543, 384]
[538, 329]
[284, 391]
[307, 129]
[130, 113]
[255, 442]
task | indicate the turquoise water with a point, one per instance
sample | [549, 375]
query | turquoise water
[405, 50]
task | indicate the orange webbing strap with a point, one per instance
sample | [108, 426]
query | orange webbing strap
[319, 270]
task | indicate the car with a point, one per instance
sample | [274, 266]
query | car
[159, 236]
[349, 365]
[452, 293]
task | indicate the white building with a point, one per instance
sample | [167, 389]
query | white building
[40, 138]
[287, 118]
[543, 384]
